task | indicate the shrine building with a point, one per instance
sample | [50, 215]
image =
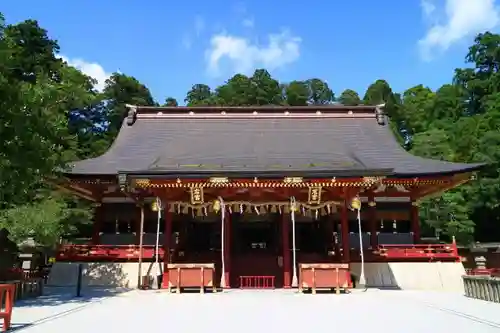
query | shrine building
[259, 197]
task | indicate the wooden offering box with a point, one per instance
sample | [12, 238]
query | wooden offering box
[324, 276]
[199, 276]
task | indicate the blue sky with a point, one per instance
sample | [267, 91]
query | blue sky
[169, 46]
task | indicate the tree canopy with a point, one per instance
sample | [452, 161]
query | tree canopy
[52, 114]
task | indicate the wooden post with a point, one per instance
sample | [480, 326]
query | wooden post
[372, 206]
[285, 233]
[137, 222]
[415, 222]
[227, 249]
[167, 245]
[98, 220]
[344, 229]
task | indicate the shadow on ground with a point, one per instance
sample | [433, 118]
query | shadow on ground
[54, 296]
[16, 327]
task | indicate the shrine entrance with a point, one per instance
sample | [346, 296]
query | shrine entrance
[256, 259]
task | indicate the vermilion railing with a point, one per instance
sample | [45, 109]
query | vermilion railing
[257, 282]
[415, 251]
[6, 297]
[483, 271]
[109, 252]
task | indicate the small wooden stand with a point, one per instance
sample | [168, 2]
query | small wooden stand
[324, 276]
[195, 276]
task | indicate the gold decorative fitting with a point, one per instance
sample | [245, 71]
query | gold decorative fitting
[196, 195]
[178, 181]
[255, 180]
[372, 180]
[293, 180]
[314, 195]
[334, 179]
[372, 203]
[142, 182]
[219, 180]
[414, 203]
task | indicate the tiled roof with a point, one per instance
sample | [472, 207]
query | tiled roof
[332, 140]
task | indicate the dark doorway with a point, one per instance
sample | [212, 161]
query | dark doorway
[255, 251]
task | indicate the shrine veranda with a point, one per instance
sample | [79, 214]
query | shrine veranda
[258, 196]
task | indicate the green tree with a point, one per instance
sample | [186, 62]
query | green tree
[349, 97]
[319, 92]
[199, 94]
[297, 93]
[121, 89]
[170, 101]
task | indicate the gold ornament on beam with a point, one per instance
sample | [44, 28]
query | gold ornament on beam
[314, 195]
[197, 195]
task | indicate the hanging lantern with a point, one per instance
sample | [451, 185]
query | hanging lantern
[216, 206]
[356, 203]
[156, 205]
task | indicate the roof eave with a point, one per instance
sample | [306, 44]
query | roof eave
[471, 168]
[258, 173]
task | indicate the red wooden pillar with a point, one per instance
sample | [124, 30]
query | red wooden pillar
[227, 248]
[344, 229]
[167, 244]
[98, 221]
[415, 222]
[138, 224]
[372, 206]
[285, 233]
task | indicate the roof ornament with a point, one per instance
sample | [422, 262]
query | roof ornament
[132, 114]
[380, 114]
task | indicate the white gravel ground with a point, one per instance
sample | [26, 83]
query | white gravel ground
[256, 311]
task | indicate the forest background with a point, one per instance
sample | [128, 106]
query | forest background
[51, 114]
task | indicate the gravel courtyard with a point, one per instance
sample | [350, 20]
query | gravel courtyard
[257, 311]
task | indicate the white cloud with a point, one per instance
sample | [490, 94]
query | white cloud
[428, 7]
[242, 55]
[194, 32]
[248, 23]
[199, 25]
[92, 69]
[461, 19]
